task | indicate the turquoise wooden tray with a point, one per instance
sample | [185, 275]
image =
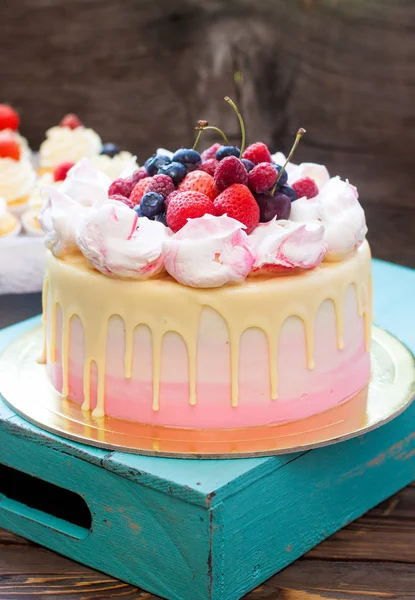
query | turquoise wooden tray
[202, 530]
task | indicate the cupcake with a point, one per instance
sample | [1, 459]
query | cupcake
[17, 175]
[69, 141]
[9, 122]
[9, 224]
[112, 161]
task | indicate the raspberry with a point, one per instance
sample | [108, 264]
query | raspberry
[161, 184]
[209, 166]
[305, 187]
[238, 202]
[262, 177]
[61, 171]
[139, 175]
[210, 152]
[9, 148]
[230, 170]
[9, 119]
[257, 153]
[123, 199]
[170, 197]
[121, 186]
[198, 181]
[71, 121]
[187, 205]
[139, 190]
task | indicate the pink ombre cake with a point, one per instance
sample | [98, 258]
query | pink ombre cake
[196, 323]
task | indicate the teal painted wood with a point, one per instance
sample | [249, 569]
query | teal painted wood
[212, 530]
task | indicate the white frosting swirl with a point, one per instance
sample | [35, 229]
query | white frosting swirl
[63, 144]
[121, 165]
[116, 242]
[338, 208]
[281, 245]
[208, 252]
[86, 184]
[17, 178]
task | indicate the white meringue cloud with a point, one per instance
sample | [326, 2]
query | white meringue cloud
[116, 242]
[318, 173]
[281, 245]
[208, 252]
[85, 184]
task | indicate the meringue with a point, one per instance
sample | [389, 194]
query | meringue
[318, 173]
[281, 245]
[116, 242]
[86, 184]
[120, 165]
[208, 252]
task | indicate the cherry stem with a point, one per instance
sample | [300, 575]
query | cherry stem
[298, 137]
[212, 128]
[241, 123]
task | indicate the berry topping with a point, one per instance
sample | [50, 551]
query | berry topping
[187, 157]
[257, 153]
[170, 197]
[175, 170]
[71, 121]
[9, 119]
[278, 205]
[210, 152]
[9, 148]
[152, 204]
[138, 175]
[230, 170]
[161, 184]
[162, 218]
[59, 174]
[288, 191]
[138, 210]
[110, 150]
[187, 205]
[121, 186]
[198, 181]
[139, 190]
[283, 177]
[238, 203]
[225, 151]
[305, 187]
[262, 177]
[153, 164]
[209, 166]
[123, 199]
[249, 165]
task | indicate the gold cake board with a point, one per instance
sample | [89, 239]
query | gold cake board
[26, 388]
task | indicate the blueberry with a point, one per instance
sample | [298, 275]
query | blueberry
[288, 191]
[249, 165]
[153, 164]
[175, 170]
[225, 151]
[138, 210]
[162, 218]
[278, 206]
[152, 204]
[188, 157]
[284, 176]
[110, 150]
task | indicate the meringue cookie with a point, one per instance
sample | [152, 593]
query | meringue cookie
[317, 172]
[116, 242]
[281, 245]
[85, 184]
[208, 252]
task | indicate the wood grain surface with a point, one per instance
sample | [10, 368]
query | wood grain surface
[372, 558]
[142, 72]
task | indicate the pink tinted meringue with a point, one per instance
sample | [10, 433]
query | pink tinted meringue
[116, 242]
[282, 245]
[86, 185]
[318, 173]
[208, 252]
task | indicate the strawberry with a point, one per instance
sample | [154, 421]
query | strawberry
[60, 172]
[138, 190]
[187, 205]
[198, 181]
[262, 177]
[70, 120]
[258, 153]
[9, 148]
[238, 202]
[9, 119]
[230, 170]
[305, 187]
[210, 152]
[209, 166]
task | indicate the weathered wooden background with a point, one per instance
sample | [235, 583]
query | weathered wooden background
[142, 71]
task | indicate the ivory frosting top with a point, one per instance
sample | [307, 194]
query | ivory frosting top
[17, 179]
[64, 144]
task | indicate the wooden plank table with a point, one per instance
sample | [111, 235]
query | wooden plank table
[371, 558]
